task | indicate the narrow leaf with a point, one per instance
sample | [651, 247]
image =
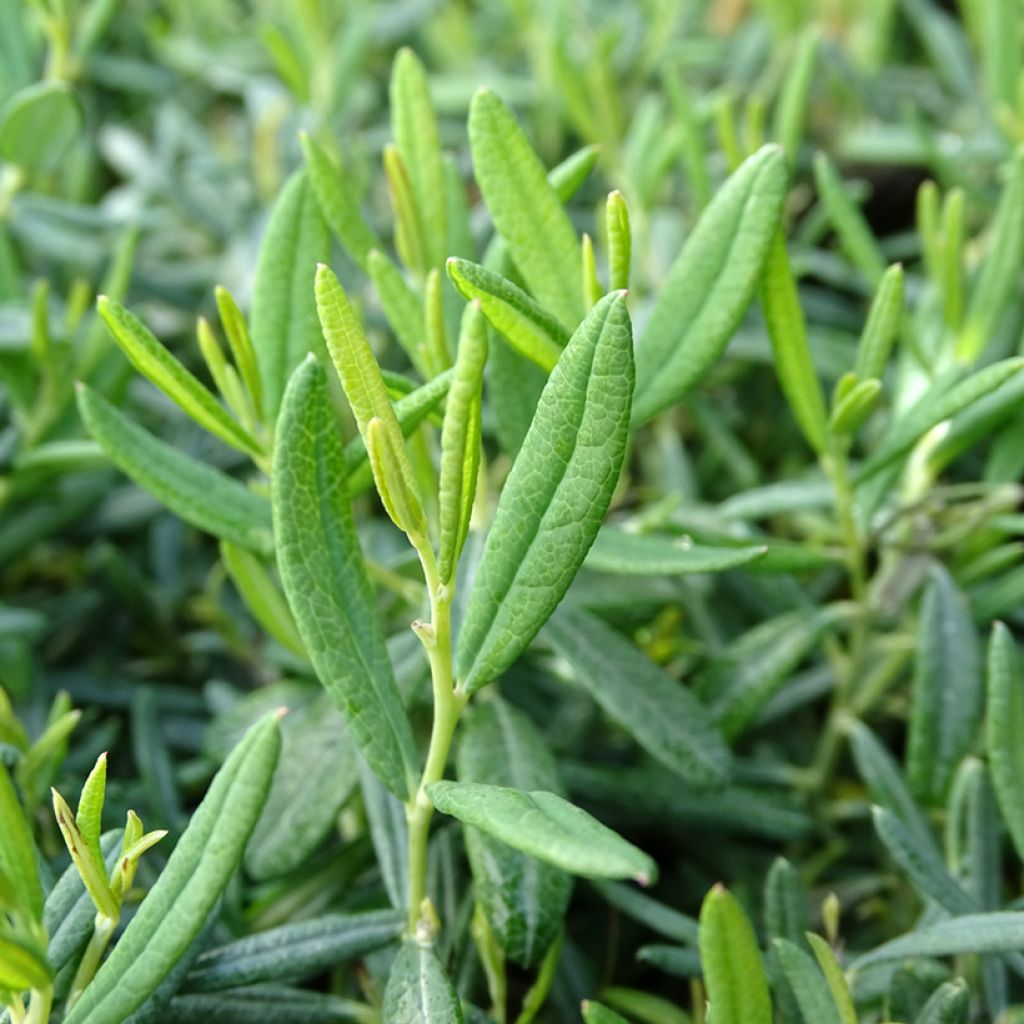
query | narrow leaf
[555, 497]
[639, 554]
[418, 989]
[1004, 724]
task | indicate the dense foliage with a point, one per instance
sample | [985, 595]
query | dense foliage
[522, 500]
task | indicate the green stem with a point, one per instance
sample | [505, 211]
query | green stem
[103, 930]
[448, 705]
[39, 1008]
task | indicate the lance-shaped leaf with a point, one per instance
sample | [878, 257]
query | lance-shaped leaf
[555, 497]
[337, 203]
[620, 241]
[460, 441]
[545, 826]
[791, 109]
[201, 495]
[525, 208]
[807, 984]
[409, 239]
[23, 963]
[154, 362]
[711, 283]
[419, 991]
[939, 403]
[524, 899]
[242, 352]
[325, 579]
[837, 985]
[17, 850]
[198, 871]
[1004, 725]
[293, 951]
[948, 689]
[787, 331]
[660, 713]
[882, 326]
[595, 1013]
[367, 395]
[638, 554]
[950, 1003]
[402, 306]
[414, 127]
[734, 974]
[999, 932]
[284, 322]
[529, 329]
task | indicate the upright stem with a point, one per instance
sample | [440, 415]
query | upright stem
[437, 639]
[835, 464]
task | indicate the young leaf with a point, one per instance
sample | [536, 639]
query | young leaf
[523, 898]
[418, 989]
[154, 362]
[201, 495]
[242, 352]
[785, 902]
[882, 326]
[337, 204]
[284, 323]
[950, 1003]
[545, 826]
[837, 985]
[791, 110]
[17, 850]
[188, 888]
[640, 554]
[620, 243]
[1004, 725]
[710, 284]
[529, 329]
[460, 442]
[525, 209]
[414, 127]
[788, 333]
[733, 969]
[555, 497]
[948, 689]
[325, 580]
[409, 240]
[659, 712]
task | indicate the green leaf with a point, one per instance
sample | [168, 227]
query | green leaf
[185, 894]
[364, 388]
[526, 211]
[734, 974]
[855, 236]
[38, 125]
[325, 580]
[402, 307]
[262, 596]
[659, 712]
[948, 692]
[950, 1003]
[337, 203]
[460, 442]
[620, 242]
[316, 774]
[389, 833]
[807, 983]
[201, 495]
[1004, 727]
[882, 327]
[242, 352]
[530, 330]
[595, 1013]
[284, 321]
[414, 127]
[155, 363]
[17, 850]
[851, 411]
[837, 985]
[788, 333]
[280, 1003]
[555, 497]
[545, 826]
[1001, 932]
[710, 284]
[409, 240]
[791, 109]
[940, 403]
[524, 898]
[418, 990]
[23, 964]
[638, 554]
[90, 808]
[293, 951]
[785, 902]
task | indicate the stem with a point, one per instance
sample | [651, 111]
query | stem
[437, 639]
[103, 930]
[835, 465]
[39, 1007]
